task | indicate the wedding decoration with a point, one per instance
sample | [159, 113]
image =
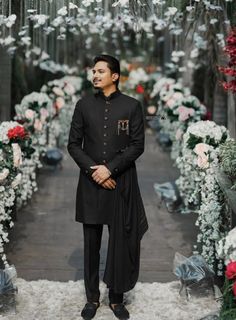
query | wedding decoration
[15, 146]
[230, 70]
[64, 93]
[226, 247]
[34, 112]
[228, 308]
[199, 188]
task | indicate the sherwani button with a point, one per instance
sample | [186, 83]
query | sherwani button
[106, 110]
[105, 134]
[105, 118]
[105, 127]
[104, 161]
[104, 152]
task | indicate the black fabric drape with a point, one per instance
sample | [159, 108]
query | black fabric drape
[127, 229]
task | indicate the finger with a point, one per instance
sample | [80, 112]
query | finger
[110, 184]
[113, 183]
[105, 185]
[94, 167]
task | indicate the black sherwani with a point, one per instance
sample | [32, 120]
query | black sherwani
[110, 131]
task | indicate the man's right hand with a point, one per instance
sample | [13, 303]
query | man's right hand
[109, 184]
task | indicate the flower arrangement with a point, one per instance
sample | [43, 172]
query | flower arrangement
[177, 109]
[230, 70]
[199, 188]
[226, 247]
[228, 308]
[64, 93]
[15, 145]
[34, 112]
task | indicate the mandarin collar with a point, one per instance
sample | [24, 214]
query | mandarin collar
[111, 96]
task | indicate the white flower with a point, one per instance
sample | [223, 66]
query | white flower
[4, 174]
[16, 181]
[58, 91]
[62, 11]
[29, 114]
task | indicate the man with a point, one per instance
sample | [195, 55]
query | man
[105, 139]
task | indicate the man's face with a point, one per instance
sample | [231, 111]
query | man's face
[102, 76]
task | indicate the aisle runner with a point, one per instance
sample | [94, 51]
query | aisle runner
[51, 300]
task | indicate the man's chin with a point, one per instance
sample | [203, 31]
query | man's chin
[97, 86]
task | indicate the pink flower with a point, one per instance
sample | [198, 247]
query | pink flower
[202, 162]
[44, 114]
[151, 109]
[60, 102]
[185, 113]
[29, 114]
[178, 134]
[17, 155]
[38, 125]
[201, 149]
[170, 103]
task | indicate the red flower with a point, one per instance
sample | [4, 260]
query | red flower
[231, 271]
[140, 89]
[230, 85]
[17, 132]
[234, 288]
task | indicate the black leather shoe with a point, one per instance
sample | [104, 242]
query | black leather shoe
[89, 310]
[120, 311]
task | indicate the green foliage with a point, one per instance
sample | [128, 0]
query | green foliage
[193, 140]
[228, 308]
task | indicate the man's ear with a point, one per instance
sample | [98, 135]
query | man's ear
[115, 76]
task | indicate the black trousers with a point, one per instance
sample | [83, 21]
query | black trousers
[92, 245]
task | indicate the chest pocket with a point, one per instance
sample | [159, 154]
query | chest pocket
[122, 136]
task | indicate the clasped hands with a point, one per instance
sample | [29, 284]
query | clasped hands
[102, 176]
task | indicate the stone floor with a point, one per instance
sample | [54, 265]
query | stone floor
[47, 243]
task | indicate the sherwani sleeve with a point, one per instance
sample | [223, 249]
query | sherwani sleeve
[136, 146]
[76, 137]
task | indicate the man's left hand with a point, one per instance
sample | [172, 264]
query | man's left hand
[100, 174]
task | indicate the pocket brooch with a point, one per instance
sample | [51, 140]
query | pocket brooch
[123, 125]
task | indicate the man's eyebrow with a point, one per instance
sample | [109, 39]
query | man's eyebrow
[98, 69]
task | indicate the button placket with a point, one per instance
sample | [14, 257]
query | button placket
[104, 152]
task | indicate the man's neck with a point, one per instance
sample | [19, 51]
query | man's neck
[108, 91]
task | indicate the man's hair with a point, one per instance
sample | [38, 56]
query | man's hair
[112, 63]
